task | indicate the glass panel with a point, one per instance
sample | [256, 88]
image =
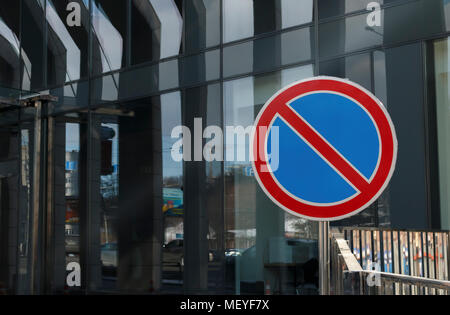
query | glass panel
[268, 53]
[348, 35]
[106, 88]
[143, 81]
[442, 82]
[399, 23]
[109, 30]
[202, 28]
[357, 68]
[67, 44]
[156, 29]
[131, 169]
[9, 44]
[264, 252]
[330, 8]
[247, 18]
[9, 228]
[69, 136]
[33, 44]
[201, 68]
[173, 195]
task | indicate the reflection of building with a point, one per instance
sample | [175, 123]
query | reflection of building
[104, 186]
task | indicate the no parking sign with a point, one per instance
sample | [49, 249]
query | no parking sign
[337, 148]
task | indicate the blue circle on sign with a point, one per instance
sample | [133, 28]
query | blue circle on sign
[347, 127]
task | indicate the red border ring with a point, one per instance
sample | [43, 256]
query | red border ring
[389, 149]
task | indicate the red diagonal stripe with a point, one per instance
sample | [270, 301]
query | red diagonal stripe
[326, 150]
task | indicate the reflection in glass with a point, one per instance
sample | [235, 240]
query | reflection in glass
[137, 197]
[72, 200]
[202, 29]
[262, 241]
[270, 52]
[32, 36]
[67, 60]
[9, 44]
[157, 27]
[330, 8]
[173, 196]
[109, 29]
[349, 34]
[246, 18]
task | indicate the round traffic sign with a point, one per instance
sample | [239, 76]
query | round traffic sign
[324, 148]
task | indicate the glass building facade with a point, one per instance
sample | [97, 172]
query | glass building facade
[110, 197]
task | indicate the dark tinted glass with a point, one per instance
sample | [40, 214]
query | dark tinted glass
[246, 18]
[405, 22]
[156, 29]
[269, 52]
[9, 43]
[33, 44]
[109, 38]
[202, 24]
[67, 57]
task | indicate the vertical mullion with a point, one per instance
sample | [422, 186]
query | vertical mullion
[316, 38]
[44, 48]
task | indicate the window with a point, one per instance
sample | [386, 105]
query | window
[67, 46]
[109, 28]
[247, 18]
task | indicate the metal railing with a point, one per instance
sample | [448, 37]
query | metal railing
[413, 252]
[348, 276]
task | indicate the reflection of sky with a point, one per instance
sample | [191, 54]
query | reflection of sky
[10, 37]
[171, 26]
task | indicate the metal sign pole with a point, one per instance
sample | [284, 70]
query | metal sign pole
[324, 258]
